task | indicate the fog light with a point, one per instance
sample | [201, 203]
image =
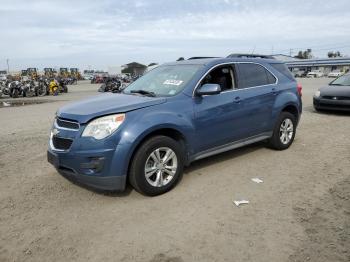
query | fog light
[95, 165]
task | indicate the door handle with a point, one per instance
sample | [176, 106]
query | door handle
[237, 100]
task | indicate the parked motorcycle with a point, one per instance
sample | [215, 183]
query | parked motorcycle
[97, 80]
[111, 86]
[29, 89]
[62, 85]
[15, 89]
[54, 87]
[42, 87]
[72, 81]
[4, 89]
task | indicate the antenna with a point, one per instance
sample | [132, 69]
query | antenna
[253, 49]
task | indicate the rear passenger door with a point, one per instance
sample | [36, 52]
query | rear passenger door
[257, 92]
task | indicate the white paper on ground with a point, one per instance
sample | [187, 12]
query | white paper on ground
[257, 180]
[240, 202]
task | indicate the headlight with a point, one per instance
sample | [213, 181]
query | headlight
[317, 94]
[103, 126]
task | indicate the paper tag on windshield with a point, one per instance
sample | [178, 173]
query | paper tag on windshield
[173, 82]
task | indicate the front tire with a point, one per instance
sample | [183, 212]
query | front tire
[284, 131]
[157, 166]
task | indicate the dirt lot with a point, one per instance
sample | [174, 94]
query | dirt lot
[301, 212]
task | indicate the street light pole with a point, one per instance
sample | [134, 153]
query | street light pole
[8, 66]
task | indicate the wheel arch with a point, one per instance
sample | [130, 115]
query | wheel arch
[291, 108]
[171, 132]
[287, 102]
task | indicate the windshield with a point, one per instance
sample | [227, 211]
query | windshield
[341, 81]
[167, 80]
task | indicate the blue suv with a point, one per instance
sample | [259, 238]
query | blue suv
[175, 114]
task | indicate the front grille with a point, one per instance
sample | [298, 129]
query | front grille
[336, 97]
[61, 143]
[67, 124]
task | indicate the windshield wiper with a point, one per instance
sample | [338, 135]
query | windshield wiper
[143, 92]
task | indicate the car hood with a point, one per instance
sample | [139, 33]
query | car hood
[335, 90]
[104, 104]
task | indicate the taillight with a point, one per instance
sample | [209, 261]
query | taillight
[299, 88]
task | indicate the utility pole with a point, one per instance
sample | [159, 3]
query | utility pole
[8, 66]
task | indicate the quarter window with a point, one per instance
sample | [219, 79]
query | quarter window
[254, 75]
[283, 69]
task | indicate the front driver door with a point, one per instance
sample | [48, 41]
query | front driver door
[217, 117]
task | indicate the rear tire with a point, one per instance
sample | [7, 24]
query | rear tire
[157, 166]
[284, 131]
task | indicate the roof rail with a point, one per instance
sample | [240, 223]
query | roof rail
[250, 56]
[201, 57]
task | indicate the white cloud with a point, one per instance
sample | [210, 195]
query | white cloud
[101, 33]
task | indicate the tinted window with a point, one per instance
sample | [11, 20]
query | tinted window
[223, 76]
[283, 69]
[254, 75]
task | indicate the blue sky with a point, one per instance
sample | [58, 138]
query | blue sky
[106, 32]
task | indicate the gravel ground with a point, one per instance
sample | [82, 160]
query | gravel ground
[299, 213]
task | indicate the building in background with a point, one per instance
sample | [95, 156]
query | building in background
[134, 69]
[325, 65]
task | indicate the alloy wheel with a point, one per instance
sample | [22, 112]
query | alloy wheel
[286, 131]
[161, 166]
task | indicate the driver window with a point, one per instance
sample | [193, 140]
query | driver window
[223, 76]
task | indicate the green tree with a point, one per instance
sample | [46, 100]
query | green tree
[307, 54]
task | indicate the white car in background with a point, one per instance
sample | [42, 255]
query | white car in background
[335, 73]
[315, 73]
[3, 78]
[88, 77]
[299, 73]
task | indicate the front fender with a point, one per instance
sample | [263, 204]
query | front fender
[139, 126]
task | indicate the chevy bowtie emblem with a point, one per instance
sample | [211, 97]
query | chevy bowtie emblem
[55, 132]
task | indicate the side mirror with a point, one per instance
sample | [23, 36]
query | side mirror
[208, 89]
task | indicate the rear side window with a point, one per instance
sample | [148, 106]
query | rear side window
[254, 75]
[283, 69]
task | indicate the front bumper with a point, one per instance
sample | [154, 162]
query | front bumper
[331, 104]
[90, 171]
[100, 164]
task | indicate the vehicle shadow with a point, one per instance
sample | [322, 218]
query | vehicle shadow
[195, 166]
[222, 157]
[329, 112]
[311, 109]
[124, 193]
